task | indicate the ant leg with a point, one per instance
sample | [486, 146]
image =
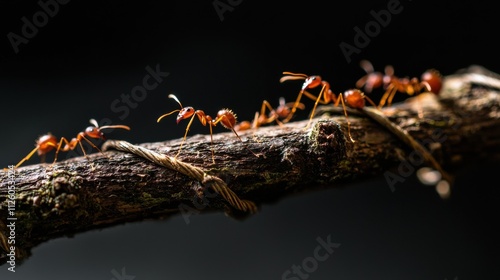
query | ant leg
[72, 145]
[266, 104]
[85, 154]
[25, 158]
[59, 148]
[391, 97]
[361, 82]
[370, 101]
[294, 107]
[327, 96]
[185, 135]
[235, 133]
[91, 144]
[42, 158]
[391, 90]
[321, 93]
[280, 114]
[212, 142]
[280, 123]
[345, 114]
[256, 123]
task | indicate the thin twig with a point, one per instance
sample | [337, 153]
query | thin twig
[403, 135]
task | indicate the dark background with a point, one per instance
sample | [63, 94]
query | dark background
[89, 54]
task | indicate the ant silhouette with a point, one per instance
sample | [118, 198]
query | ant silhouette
[354, 98]
[275, 115]
[430, 80]
[225, 117]
[48, 142]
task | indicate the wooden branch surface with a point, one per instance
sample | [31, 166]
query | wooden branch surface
[43, 202]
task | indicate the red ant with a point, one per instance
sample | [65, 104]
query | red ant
[372, 79]
[283, 110]
[434, 79]
[275, 115]
[226, 117]
[44, 144]
[430, 80]
[48, 142]
[310, 82]
[354, 98]
[245, 125]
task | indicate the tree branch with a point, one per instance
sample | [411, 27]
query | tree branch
[136, 182]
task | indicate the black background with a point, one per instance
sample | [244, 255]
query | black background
[90, 53]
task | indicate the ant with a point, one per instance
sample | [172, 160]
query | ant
[430, 80]
[48, 142]
[44, 144]
[354, 98]
[275, 115]
[372, 79]
[225, 117]
[310, 82]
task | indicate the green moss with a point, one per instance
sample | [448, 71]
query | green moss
[177, 196]
[60, 192]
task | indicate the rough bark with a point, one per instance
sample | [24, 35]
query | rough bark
[459, 127]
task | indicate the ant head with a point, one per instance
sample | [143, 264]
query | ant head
[283, 111]
[355, 98]
[311, 82]
[185, 113]
[94, 132]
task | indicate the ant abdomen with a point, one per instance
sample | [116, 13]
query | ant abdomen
[227, 118]
[434, 78]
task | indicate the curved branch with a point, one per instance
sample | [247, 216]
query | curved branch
[41, 202]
